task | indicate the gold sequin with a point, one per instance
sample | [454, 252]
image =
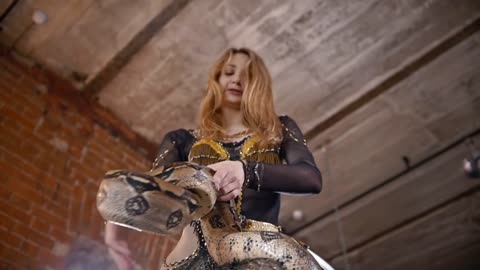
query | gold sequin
[290, 134]
[207, 151]
[160, 158]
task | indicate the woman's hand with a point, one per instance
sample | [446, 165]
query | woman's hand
[228, 179]
[122, 261]
[117, 248]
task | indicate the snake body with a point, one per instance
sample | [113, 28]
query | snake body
[168, 199]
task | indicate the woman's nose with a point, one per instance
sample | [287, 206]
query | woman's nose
[236, 79]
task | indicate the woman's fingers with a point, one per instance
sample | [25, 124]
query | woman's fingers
[120, 247]
[113, 239]
[226, 173]
[230, 196]
[228, 188]
[122, 261]
[219, 176]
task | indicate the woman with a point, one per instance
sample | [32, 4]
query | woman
[255, 153]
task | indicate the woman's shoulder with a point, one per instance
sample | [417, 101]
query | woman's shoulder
[181, 135]
[287, 121]
[291, 129]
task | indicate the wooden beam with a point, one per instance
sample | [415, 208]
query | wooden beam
[411, 196]
[5, 8]
[407, 126]
[445, 238]
[61, 91]
[135, 45]
[395, 78]
[328, 214]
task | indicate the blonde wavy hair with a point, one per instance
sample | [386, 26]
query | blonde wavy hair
[257, 100]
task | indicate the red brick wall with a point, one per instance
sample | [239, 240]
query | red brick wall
[51, 160]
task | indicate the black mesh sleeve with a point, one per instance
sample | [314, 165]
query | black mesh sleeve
[172, 148]
[298, 175]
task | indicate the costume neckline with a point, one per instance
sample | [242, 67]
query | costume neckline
[234, 143]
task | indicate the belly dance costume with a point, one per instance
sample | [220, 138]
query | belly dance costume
[251, 224]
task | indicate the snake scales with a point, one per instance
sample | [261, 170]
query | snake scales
[167, 199]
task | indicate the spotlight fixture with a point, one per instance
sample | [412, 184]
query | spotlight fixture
[297, 215]
[471, 166]
[39, 17]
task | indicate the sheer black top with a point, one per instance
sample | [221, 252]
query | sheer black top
[298, 173]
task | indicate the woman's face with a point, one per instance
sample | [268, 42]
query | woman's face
[232, 79]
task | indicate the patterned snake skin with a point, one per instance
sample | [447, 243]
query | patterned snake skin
[166, 200]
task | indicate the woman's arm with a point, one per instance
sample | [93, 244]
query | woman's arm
[172, 148]
[299, 175]
[117, 247]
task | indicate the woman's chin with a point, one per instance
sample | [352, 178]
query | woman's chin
[233, 103]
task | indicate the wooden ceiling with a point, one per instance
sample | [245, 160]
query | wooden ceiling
[385, 91]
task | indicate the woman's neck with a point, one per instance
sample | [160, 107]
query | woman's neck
[232, 120]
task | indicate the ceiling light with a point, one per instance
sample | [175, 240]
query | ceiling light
[39, 17]
[297, 215]
[471, 166]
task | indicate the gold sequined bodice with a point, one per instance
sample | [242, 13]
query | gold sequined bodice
[207, 151]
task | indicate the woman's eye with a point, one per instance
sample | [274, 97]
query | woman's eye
[228, 73]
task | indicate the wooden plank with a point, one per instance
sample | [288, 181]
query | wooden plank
[361, 55]
[192, 59]
[447, 238]
[272, 19]
[462, 258]
[61, 16]
[131, 48]
[170, 73]
[368, 147]
[15, 23]
[384, 86]
[159, 89]
[325, 24]
[4, 8]
[95, 30]
[407, 198]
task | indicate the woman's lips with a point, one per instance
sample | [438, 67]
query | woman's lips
[236, 92]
